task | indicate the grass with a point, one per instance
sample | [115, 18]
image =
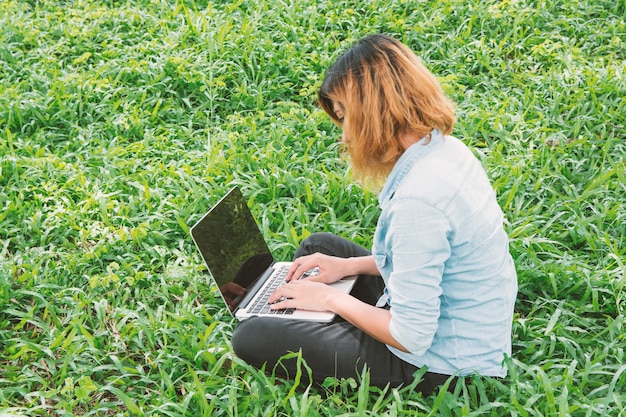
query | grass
[122, 122]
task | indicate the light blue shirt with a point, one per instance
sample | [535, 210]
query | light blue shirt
[442, 251]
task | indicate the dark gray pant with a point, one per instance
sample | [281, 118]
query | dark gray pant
[337, 349]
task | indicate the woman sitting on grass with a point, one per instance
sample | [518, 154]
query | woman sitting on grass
[438, 288]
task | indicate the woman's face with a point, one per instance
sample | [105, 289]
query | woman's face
[339, 112]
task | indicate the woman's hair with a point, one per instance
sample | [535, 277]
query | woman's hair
[385, 91]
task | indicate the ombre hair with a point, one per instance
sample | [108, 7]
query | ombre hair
[385, 92]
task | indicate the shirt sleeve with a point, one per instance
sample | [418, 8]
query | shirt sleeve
[417, 240]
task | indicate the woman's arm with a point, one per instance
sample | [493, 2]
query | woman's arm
[307, 294]
[372, 320]
[312, 293]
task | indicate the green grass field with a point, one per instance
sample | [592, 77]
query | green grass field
[121, 122]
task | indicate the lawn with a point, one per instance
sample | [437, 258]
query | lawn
[122, 122]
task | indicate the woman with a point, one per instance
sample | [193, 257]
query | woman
[438, 288]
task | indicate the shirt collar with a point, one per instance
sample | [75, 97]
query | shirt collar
[406, 162]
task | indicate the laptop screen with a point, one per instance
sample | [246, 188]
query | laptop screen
[232, 246]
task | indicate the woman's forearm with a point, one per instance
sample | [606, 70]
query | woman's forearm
[372, 320]
[363, 265]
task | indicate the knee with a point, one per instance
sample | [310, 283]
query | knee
[316, 242]
[242, 340]
[254, 340]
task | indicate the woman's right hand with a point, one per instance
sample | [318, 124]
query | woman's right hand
[330, 268]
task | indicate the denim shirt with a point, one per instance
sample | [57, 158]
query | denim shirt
[442, 251]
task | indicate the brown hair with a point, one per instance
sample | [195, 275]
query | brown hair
[385, 92]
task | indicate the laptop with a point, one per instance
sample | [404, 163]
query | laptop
[241, 264]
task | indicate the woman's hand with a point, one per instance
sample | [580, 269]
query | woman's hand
[331, 268]
[304, 294]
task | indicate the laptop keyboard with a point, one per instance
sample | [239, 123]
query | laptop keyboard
[261, 306]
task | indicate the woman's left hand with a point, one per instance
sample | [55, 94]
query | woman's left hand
[303, 294]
